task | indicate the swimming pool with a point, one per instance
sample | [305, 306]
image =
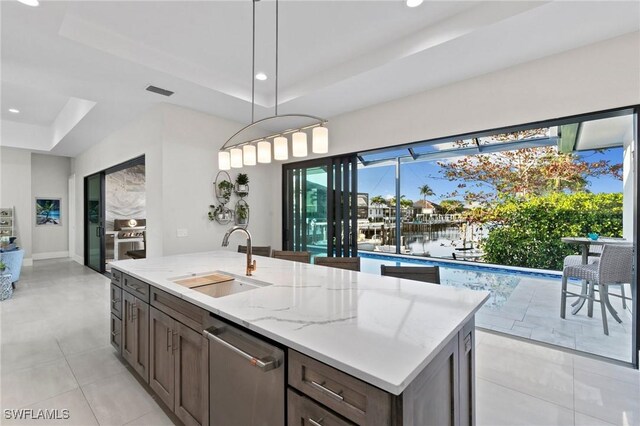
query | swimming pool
[500, 282]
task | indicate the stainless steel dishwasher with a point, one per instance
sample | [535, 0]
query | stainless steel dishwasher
[246, 378]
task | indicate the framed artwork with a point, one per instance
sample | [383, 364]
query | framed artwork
[48, 212]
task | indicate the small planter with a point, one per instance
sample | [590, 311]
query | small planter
[242, 213]
[242, 185]
[242, 190]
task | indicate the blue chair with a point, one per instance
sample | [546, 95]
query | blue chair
[13, 260]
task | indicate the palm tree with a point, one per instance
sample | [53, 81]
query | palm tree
[426, 191]
[378, 199]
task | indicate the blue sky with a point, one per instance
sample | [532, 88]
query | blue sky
[380, 180]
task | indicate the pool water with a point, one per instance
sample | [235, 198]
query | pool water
[499, 282]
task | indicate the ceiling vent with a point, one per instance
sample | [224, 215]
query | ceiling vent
[160, 91]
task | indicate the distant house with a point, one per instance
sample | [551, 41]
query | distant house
[425, 207]
[378, 211]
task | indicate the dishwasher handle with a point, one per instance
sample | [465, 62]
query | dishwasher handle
[264, 364]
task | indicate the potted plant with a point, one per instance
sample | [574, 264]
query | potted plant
[225, 188]
[220, 213]
[3, 266]
[242, 184]
[242, 214]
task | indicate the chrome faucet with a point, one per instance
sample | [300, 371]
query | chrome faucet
[251, 265]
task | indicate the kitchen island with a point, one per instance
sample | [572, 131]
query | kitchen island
[394, 351]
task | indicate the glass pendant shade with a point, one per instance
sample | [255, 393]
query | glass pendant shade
[249, 155]
[320, 143]
[264, 152]
[280, 148]
[224, 160]
[236, 158]
[299, 144]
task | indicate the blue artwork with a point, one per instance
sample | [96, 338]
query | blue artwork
[48, 211]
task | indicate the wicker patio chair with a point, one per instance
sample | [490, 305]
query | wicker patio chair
[613, 268]
[575, 259]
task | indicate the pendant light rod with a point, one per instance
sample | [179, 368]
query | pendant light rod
[253, 63]
[277, 51]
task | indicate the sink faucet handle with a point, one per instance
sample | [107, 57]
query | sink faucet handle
[251, 267]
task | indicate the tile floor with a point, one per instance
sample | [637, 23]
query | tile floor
[55, 354]
[532, 311]
[529, 306]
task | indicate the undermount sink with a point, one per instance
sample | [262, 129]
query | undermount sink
[218, 283]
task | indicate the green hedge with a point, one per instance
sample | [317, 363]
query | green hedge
[529, 231]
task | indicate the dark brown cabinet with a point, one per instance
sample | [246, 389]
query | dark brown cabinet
[160, 336]
[306, 412]
[116, 300]
[178, 370]
[116, 333]
[135, 334]
[442, 394]
[161, 359]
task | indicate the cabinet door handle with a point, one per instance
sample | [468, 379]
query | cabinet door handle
[175, 344]
[325, 389]
[114, 333]
[315, 422]
[134, 310]
[169, 339]
[114, 301]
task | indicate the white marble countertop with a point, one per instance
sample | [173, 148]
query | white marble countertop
[379, 329]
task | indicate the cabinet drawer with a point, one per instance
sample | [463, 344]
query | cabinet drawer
[116, 333]
[116, 277]
[303, 411]
[116, 300]
[186, 313]
[138, 288]
[350, 397]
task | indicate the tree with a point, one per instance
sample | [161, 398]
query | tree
[531, 229]
[522, 172]
[426, 191]
[378, 199]
[451, 206]
[406, 203]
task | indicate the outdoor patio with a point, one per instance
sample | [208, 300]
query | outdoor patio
[532, 311]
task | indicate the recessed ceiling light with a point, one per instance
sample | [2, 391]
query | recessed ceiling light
[261, 76]
[14, 111]
[32, 3]
[414, 3]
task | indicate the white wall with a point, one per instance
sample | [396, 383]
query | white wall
[592, 78]
[191, 143]
[180, 148]
[15, 190]
[141, 137]
[50, 179]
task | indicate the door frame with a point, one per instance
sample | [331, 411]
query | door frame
[101, 214]
[334, 165]
[140, 160]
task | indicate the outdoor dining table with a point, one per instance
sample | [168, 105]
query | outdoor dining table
[585, 244]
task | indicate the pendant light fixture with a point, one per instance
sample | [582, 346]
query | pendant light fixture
[238, 152]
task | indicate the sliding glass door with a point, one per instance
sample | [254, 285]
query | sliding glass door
[319, 207]
[94, 221]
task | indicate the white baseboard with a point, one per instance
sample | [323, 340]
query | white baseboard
[50, 255]
[27, 261]
[78, 259]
